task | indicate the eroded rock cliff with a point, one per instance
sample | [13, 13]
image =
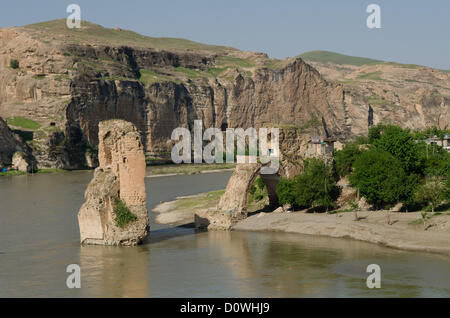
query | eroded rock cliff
[11, 144]
[70, 80]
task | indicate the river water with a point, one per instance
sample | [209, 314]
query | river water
[39, 237]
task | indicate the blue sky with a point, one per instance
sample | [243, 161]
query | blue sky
[412, 31]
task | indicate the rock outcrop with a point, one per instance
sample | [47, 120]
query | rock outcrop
[22, 162]
[115, 211]
[11, 144]
[411, 96]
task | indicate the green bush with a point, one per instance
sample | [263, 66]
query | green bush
[123, 215]
[259, 183]
[380, 178]
[397, 163]
[399, 143]
[258, 191]
[14, 64]
[431, 192]
[345, 158]
[315, 187]
[285, 191]
[437, 160]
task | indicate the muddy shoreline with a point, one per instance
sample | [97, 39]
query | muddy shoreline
[405, 230]
[403, 234]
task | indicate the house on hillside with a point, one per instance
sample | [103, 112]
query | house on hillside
[320, 146]
[444, 142]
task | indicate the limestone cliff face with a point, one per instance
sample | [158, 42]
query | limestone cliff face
[411, 96]
[119, 180]
[68, 84]
[9, 145]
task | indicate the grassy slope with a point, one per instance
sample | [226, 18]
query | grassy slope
[342, 59]
[101, 35]
[336, 58]
[94, 33]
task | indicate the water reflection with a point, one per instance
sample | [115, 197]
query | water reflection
[114, 271]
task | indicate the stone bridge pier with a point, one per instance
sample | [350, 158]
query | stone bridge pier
[233, 204]
[115, 211]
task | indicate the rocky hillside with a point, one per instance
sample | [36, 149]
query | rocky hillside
[408, 95]
[66, 81]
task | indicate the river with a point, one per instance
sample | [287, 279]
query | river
[39, 237]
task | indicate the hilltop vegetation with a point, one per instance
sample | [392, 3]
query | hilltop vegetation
[91, 33]
[342, 59]
[336, 58]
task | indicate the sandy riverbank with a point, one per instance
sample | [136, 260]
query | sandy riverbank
[182, 209]
[406, 232]
[187, 168]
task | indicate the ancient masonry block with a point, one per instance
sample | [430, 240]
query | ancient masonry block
[120, 176]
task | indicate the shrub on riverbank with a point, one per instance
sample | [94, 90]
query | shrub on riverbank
[315, 187]
[380, 178]
[394, 166]
[431, 192]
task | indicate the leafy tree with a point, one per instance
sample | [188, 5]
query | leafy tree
[285, 191]
[401, 144]
[380, 178]
[375, 133]
[431, 192]
[436, 160]
[362, 140]
[447, 188]
[345, 158]
[316, 185]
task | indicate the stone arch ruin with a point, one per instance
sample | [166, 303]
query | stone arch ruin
[295, 146]
[235, 198]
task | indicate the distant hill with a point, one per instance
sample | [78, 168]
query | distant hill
[342, 59]
[91, 33]
[337, 58]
